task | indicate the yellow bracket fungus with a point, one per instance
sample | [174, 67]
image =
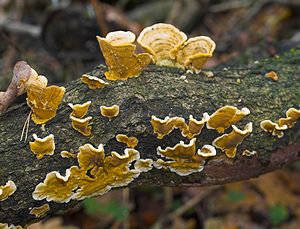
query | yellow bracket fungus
[6, 226]
[292, 115]
[93, 82]
[274, 128]
[194, 126]
[272, 75]
[95, 175]
[110, 112]
[7, 190]
[67, 154]
[131, 142]
[143, 165]
[42, 146]
[225, 117]
[80, 110]
[228, 143]
[82, 125]
[40, 211]
[185, 159]
[159, 39]
[119, 54]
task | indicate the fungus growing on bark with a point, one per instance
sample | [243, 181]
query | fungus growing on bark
[163, 127]
[40, 211]
[194, 126]
[80, 110]
[143, 165]
[82, 125]
[119, 54]
[6, 226]
[7, 190]
[184, 158]
[225, 117]
[110, 112]
[272, 75]
[249, 153]
[193, 53]
[228, 143]
[292, 115]
[67, 154]
[93, 82]
[42, 146]
[131, 142]
[274, 128]
[159, 39]
[207, 151]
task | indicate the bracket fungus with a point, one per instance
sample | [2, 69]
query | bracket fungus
[184, 158]
[131, 142]
[292, 115]
[7, 190]
[119, 54]
[272, 75]
[42, 146]
[6, 226]
[228, 143]
[95, 175]
[224, 117]
[79, 110]
[67, 154]
[274, 128]
[82, 125]
[194, 127]
[40, 211]
[93, 82]
[110, 112]
[143, 165]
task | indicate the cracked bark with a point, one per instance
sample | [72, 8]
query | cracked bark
[158, 91]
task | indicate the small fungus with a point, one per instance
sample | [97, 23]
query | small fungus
[249, 153]
[207, 151]
[7, 190]
[228, 143]
[225, 117]
[93, 82]
[6, 226]
[193, 53]
[272, 75]
[194, 126]
[67, 154]
[42, 146]
[119, 54]
[274, 128]
[163, 127]
[292, 115]
[82, 125]
[184, 158]
[40, 211]
[80, 110]
[143, 165]
[110, 112]
[159, 40]
[131, 142]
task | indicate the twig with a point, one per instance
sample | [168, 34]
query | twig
[100, 15]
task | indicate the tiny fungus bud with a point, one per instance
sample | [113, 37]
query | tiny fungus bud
[7, 190]
[119, 54]
[40, 211]
[131, 142]
[110, 112]
[274, 128]
[272, 75]
[228, 143]
[82, 125]
[93, 82]
[249, 153]
[80, 110]
[42, 146]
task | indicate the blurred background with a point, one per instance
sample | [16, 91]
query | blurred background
[57, 38]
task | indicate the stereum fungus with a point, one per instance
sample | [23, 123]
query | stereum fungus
[42, 146]
[131, 142]
[228, 143]
[185, 159]
[7, 190]
[274, 128]
[292, 115]
[82, 125]
[6, 226]
[95, 175]
[79, 110]
[93, 82]
[40, 211]
[119, 54]
[110, 112]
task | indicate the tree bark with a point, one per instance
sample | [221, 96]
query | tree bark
[158, 91]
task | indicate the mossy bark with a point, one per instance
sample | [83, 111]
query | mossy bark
[161, 92]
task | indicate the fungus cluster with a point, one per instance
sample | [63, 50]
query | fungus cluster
[42, 146]
[95, 175]
[7, 190]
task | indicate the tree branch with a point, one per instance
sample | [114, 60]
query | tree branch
[161, 92]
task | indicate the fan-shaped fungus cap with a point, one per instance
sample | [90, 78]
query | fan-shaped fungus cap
[143, 165]
[225, 117]
[120, 57]
[44, 102]
[228, 142]
[194, 126]
[110, 112]
[131, 142]
[207, 151]
[42, 146]
[67, 154]
[272, 75]
[274, 128]
[159, 40]
[80, 110]
[40, 211]
[7, 190]
[194, 53]
[292, 115]
[93, 82]
[163, 127]
[82, 125]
